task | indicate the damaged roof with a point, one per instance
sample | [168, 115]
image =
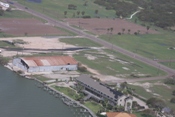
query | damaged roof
[49, 61]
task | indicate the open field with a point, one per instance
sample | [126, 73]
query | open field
[101, 25]
[154, 89]
[80, 42]
[25, 27]
[107, 62]
[56, 8]
[16, 14]
[154, 46]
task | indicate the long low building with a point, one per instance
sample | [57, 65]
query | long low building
[45, 64]
[100, 92]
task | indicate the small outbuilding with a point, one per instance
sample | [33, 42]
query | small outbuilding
[45, 64]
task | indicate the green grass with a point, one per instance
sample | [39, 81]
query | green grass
[141, 91]
[16, 14]
[67, 91]
[5, 44]
[105, 66]
[41, 78]
[80, 42]
[95, 107]
[169, 64]
[56, 8]
[140, 114]
[164, 92]
[154, 46]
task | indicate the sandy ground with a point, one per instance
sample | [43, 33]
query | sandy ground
[36, 43]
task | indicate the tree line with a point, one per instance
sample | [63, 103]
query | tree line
[160, 13]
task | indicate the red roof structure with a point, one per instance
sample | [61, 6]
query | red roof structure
[119, 114]
[49, 61]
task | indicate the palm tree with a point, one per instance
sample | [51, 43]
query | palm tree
[96, 12]
[111, 29]
[65, 13]
[148, 27]
[82, 13]
[123, 30]
[78, 13]
[129, 31]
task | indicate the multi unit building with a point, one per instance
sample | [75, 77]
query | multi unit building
[45, 64]
[100, 92]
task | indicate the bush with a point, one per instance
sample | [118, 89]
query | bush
[86, 16]
[170, 81]
[172, 100]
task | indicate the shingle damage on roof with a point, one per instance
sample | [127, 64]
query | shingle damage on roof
[49, 61]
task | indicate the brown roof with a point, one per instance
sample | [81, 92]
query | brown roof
[49, 61]
[119, 114]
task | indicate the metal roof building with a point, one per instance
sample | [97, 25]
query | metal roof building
[45, 64]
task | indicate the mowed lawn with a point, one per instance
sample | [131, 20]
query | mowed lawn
[153, 46]
[56, 8]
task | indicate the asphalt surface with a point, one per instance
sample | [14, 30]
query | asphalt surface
[64, 25]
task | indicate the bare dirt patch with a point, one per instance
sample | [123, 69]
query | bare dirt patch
[100, 26]
[21, 27]
[35, 43]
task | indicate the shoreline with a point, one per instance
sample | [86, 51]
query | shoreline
[69, 101]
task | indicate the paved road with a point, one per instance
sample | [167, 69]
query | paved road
[98, 40]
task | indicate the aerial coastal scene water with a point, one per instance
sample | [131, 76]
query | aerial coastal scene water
[87, 58]
[22, 98]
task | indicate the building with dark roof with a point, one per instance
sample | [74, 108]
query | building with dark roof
[100, 92]
[45, 63]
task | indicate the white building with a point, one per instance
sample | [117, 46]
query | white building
[4, 6]
[45, 64]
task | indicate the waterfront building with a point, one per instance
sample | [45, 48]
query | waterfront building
[100, 92]
[45, 63]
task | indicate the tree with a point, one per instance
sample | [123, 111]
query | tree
[123, 30]
[96, 12]
[111, 29]
[156, 103]
[78, 13]
[147, 28]
[82, 13]
[85, 3]
[172, 100]
[123, 85]
[1, 12]
[65, 13]
[173, 93]
[129, 31]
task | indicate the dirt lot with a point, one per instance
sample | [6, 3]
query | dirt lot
[36, 43]
[21, 27]
[100, 26]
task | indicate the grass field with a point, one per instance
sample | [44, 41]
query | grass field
[80, 42]
[95, 107]
[56, 8]
[104, 65]
[16, 14]
[163, 92]
[154, 46]
[67, 91]
[169, 64]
